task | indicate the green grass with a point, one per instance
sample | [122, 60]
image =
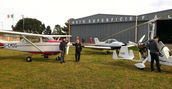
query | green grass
[95, 71]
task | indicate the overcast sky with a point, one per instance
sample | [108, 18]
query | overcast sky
[52, 12]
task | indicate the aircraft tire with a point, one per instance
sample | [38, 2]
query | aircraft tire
[45, 56]
[107, 52]
[28, 59]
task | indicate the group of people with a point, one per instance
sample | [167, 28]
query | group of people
[78, 49]
[153, 46]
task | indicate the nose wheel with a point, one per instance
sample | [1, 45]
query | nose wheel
[107, 52]
[28, 59]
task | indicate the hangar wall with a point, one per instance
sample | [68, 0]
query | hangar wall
[104, 25]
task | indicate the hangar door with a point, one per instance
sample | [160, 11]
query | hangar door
[164, 30]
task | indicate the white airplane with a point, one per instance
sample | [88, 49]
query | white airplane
[165, 58]
[109, 44]
[32, 43]
[126, 54]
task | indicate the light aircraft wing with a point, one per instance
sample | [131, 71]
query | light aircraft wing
[98, 47]
[30, 34]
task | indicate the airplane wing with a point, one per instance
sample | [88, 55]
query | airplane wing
[98, 47]
[30, 34]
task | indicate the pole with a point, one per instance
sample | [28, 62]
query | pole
[136, 35]
[23, 21]
[69, 29]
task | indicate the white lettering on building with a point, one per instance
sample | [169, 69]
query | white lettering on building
[111, 19]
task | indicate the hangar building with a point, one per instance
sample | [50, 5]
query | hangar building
[104, 25]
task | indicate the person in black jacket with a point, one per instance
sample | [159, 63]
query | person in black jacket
[63, 49]
[78, 49]
[154, 52]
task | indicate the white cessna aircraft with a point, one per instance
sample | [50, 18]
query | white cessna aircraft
[32, 43]
[109, 44]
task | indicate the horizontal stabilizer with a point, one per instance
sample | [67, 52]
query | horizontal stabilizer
[98, 47]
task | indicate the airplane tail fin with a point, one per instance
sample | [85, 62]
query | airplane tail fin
[96, 40]
[114, 55]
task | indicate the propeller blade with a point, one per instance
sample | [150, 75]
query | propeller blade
[141, 39]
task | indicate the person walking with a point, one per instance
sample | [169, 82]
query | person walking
[78, 49]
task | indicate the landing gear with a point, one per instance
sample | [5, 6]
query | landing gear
[107, 52]
[58, 58]
[28, 59]
[45, 56]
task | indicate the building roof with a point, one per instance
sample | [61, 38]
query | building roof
[111, 18]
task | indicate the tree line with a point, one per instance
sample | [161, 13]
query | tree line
[30, 25]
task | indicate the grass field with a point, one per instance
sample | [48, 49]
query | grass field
[95, 71]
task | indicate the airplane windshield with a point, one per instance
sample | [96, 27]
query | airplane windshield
[161, 44]
[112, 40]
[46, 39]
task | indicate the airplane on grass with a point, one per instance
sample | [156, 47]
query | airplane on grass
[109, 44]
[144, 53]
[32, 43]
[165, 57]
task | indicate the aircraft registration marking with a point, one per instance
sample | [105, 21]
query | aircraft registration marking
[11, 45]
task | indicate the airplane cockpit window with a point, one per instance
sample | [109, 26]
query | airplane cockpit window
[34, 39]
[107, 41]
[161, 45]
[112, 40]
[45, 39]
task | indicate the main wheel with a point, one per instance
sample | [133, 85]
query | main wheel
[28, 59]
[45, 56]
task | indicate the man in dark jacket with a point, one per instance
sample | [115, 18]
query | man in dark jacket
[63, 49]
[154, 52]
[78, 49]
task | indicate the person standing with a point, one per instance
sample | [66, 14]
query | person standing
[78, 49]
[63, 49]
[155, 53]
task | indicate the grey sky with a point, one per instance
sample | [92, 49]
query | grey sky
[52, 12]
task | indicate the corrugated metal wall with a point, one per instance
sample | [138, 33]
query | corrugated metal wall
[103, 30]
[104, 25]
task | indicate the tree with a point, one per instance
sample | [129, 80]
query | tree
[48, 30]
[66, 27]
[30, 26]
[57, 30]
[62, 30]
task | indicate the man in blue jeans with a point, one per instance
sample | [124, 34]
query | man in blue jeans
[154, 52]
